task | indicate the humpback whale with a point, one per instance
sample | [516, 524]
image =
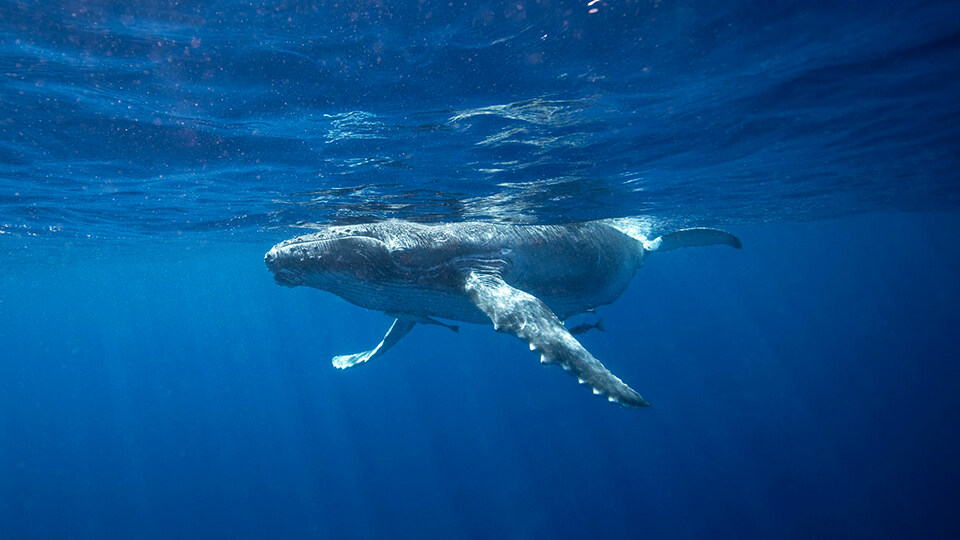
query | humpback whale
[524, 279]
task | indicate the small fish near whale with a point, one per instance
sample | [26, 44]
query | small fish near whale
[524, 279]
[583, 328]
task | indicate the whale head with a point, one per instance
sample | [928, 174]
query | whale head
[331, 258]
[391, 266]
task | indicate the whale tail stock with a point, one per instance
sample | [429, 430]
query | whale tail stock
[692, 238]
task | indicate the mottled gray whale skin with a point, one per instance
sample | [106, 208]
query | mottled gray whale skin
[525, 279]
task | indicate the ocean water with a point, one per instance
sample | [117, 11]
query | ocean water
[156, 383]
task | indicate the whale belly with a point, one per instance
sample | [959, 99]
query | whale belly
[401, 298]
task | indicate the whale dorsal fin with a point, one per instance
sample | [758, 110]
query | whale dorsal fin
[519, 313]
[398, 329]
[692, 238]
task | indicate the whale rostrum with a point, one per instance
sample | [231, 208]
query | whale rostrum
[525, 279]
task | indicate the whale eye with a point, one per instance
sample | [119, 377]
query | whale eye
[403, 256]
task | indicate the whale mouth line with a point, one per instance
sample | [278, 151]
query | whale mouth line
[299, 241]
[299, 250]
[283, 247]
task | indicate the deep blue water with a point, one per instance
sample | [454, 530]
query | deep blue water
[156, 383]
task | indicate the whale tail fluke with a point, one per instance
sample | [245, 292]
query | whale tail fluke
[692, 238]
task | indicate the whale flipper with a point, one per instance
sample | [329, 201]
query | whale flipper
[527, 317]
[692, 238]
[398, 329]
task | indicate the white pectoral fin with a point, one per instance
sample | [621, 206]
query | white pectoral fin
[398, 329]
[525, 316]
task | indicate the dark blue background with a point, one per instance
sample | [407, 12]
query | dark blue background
[804, 386]
[156, 383]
